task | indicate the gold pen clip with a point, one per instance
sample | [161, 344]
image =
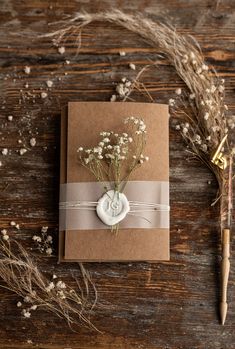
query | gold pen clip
[218, 158]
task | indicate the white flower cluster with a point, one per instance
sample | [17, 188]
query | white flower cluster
[4, 232]
[231, 122]
[190, 135]
[201, 70]
[44, 242]
[198, 67]
[5, 236]
[59, 287]
[141, 159]
[113, 146]
[26, 312]
[117, 154]
[123, 88]
[138, 123]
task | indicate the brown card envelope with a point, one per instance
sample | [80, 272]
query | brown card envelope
[81, 124]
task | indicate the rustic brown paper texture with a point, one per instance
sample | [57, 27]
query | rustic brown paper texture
[81, 124]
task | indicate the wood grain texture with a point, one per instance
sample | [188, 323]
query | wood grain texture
[171, 305]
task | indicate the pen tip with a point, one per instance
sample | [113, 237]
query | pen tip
[223, 312]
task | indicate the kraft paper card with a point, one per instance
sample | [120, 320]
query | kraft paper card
[138, 238]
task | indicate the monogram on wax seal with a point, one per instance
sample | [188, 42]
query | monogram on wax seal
[112, 207]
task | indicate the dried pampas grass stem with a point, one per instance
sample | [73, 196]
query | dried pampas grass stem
[22, 276]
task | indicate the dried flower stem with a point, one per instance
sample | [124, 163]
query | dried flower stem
[22, 276]
[116, 155]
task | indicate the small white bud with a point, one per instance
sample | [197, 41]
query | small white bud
[32, 142]
[178, 91]
[113, 98]
[61, 50]
[43, 95]
[49, 251]
[22, 151]
[4, 231]
[44, 229]
[4, 151]
[27, 70]
[132, 66]
[49, 83]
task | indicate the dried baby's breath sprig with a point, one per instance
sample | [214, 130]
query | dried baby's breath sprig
[44, 242]
[22, 276]
[125, 87]
[116, 155]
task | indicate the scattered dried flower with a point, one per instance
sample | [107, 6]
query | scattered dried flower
[113, 98]
[60, 284]
[44, 229]
[26, 313]
[132, 66]
[49, 83]
[22, 151]
[43, 95]
[61, 50]
[32, 142]
[123, 88]
[49, 251]
[4, 151]
[44, 241]
[178, 91]
[27, 70]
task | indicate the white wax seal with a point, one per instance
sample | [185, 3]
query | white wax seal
[112, 207]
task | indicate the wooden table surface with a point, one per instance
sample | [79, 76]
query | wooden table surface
[149, 306]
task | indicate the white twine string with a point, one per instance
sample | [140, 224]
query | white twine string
[137, 206]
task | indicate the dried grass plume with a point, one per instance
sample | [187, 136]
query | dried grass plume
[22, 276]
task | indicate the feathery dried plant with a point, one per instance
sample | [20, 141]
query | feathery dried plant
[22, 276]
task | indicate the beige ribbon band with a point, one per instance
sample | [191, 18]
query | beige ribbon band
[149, 202]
